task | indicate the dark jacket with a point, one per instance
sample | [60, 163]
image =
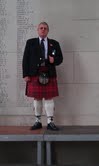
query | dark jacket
[32, 57]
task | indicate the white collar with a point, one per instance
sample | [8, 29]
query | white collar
[45, 39]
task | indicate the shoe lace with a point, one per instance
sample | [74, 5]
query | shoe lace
[36, 123]
[52, 124]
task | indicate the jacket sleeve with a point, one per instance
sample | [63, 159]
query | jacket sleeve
[25, 61]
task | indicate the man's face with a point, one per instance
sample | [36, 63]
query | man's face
[42, 30]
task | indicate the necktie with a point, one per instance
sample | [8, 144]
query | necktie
[43, 49]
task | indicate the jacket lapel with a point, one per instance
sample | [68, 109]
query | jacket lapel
[49, 47]
[38, 47]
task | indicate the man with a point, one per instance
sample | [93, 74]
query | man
[41, 55]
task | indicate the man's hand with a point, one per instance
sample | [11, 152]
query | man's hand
[51, 59]
[26, 79]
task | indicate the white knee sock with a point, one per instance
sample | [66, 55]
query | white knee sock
[49, 108]
[38, 109]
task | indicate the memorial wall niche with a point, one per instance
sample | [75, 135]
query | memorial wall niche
[8, 54]
[3, 54]
[25, 29]
[18, 20]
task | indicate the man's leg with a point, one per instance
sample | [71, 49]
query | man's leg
[49, 108]
[38, 113]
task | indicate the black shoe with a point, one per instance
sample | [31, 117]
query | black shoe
[37, 125]
[51, 126]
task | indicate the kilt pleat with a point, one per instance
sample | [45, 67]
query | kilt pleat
[36, 90]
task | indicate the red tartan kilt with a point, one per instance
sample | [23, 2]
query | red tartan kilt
[39, 91]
